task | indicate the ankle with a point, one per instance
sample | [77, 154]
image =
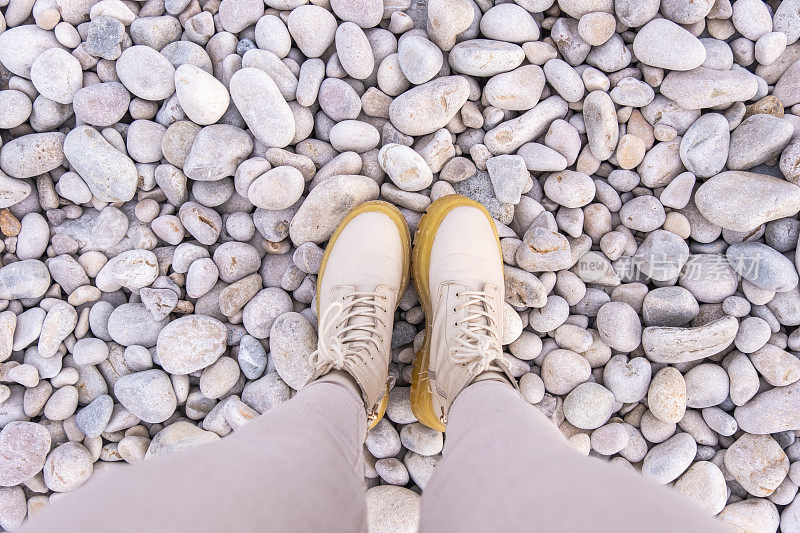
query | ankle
[341, 378]
[494, 375]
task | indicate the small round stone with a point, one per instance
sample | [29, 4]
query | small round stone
[67, 467]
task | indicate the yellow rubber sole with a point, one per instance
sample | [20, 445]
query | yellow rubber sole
[375, 206]
[421, 403]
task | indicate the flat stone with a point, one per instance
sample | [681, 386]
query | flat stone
[327, 204]
[742, 201]
[263, 107]
[392, 509]
[702, 87]
[178, 437]
[216, 152]
[679, 345]
[110, 174]
[23, 449]
[758, 463]
[148, 395]
[191, 343]
[291, 341]
[758, 139]
[665, 462]
[68, 467]
[662, 43]
[430, 106]
[30, 155]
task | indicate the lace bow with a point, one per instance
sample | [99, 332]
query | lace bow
[348, 331]
[478, 345]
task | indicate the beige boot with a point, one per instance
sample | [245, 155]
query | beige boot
[363, 275]
[458, 273]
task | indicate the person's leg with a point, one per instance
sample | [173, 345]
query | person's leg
[507, 468]
[298, 467]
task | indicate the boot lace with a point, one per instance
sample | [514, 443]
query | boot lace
[478, 345]
[349, 331]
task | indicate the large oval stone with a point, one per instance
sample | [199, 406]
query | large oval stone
[191, 343]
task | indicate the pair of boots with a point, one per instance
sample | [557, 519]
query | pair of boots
[458, 273]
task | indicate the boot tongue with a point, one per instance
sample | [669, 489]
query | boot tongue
[474, 308]
[364, 320]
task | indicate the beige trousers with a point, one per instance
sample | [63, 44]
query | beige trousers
[299, 468]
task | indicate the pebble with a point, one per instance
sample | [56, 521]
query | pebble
[109, 173]
[570, 188]
[23, 449]
[619, 326]
[774, 272]
[702, 87]
[265, 392]
[419, 59]
[751, 18]
[24, 279]
[131, 323]
[707, 385]
[600, 119]
[485, 57]
[666, 396]
[190, 343]
[313, 29]
[665, 462]
[704, 484]
[430, 106]
[758, 139]
[201, 96]
[327, 205]
[263, 309]
[678, 345]
[148, 394]
[392, 471]
[383, 440]
[778, 367]
[178, 437]
[93, 419]
[278, 188]
[669, 306]
[664, 44]
[704, 146]
[509, 177]
[494, 24]
[21, 45]
[749, 200]
[752, 513]
[57, 75]
[219, 378]
[589, 406]
[758, 463]
[12, 505]
[146, 73]
[421, 439]
[291, 341]
[563, 370]
[392, 509]
[30, 155]
[628, 379]
[236, 15]
[252, 357]
[405, 167]
[67, 467]
[172, 174]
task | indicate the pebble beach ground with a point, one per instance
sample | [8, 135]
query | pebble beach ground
[172, 170]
